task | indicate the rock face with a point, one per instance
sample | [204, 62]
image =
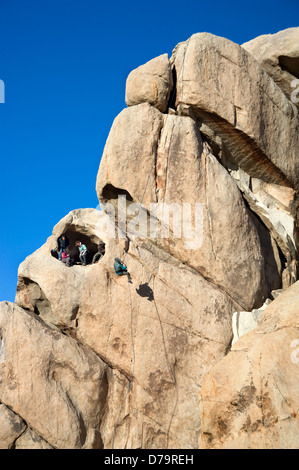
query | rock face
[168, 347]
[12, 427]
[179, 168]
[55, 385]
[150, 83]
[234, 103]
[198, 189]
[43, 280]
[256, 407]
[279, 55]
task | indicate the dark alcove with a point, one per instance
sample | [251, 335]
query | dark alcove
[75, 235]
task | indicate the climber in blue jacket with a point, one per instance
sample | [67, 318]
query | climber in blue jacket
[121, 269]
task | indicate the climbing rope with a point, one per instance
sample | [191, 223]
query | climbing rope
[133, 368]
[131, 307]
[172, 373]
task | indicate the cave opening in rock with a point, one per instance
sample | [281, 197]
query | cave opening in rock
[110, 192]
[90, 241]
[290, 64]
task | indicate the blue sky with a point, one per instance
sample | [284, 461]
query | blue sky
[64, 64]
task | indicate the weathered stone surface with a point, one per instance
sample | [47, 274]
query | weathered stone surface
[12, 426]
[131, 146]
[171, 323]
[150, 83]
[171, 340]
[250, 399]
[192, 174]
[243, 322]
[237, 116]
[229, 91]
[179, 169]
[275, 207]
[279, 55]
[50, 288]
[31, 440]
[90, 360]
[55, 385]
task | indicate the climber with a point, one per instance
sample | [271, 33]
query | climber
[100, 253]
[63, 243]
[121, 270]
[68, 257]
[65, 255]
[83, 251]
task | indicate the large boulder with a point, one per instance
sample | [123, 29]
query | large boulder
[131, 145]
[249, 122]
[168, 356]
[226, 88]
[250, 399]
[159, 327]
[279, 56]
[150, 83]
[57, 386]
[178, 169]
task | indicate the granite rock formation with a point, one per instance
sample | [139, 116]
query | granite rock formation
[198, 188]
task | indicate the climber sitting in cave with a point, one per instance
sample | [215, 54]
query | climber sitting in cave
[65, 255]
[83, 252]
[121, 269]
[68, 257]
[100, 253]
